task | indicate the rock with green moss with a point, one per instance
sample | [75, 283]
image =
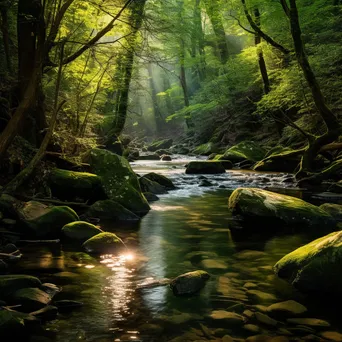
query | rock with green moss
[315, 267]
[80, 231]
[30, 299]
[104, 243]
[47, 222]
[256, 204]
[119, 181]
[12, 325]
[285, 161]
[245, 150]
[206, 149]
[227, 164]
[162, 180]
[335, 210]
[14, 282]
[160, 145]
[69, 185]
[189, 283]
[153, 187]
[205, 167]
[110, 210]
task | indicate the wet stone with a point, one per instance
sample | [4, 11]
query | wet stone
[250, 285]
[250, 255]
[227, 338]
[261, 296]
[311, 322]
[262, 318]
[252, 328]
[260, 308]
[229, 318]
[332, 336]
[220, 332]
[213, 264]
[248, 313]
[287, 308]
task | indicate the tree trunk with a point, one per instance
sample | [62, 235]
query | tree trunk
[5, 37]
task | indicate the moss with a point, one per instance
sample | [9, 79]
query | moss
[14, 282]
[50, 224]
[206, 149]
[189, 283]
[205, 167]
[315, 266]
[253, 203]
[69, 185]
[119, 181]
[160, 144]
[335, 210]
[104, 243]
[245, 150]
[111, 210]
[80, 231]
[162, 180]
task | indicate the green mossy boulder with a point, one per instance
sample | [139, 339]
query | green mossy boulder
[189, 283]
[269, 207]
[205, 167]
[160, 145]
[31, 299]
[227, 164]
[206, 149]
[49, 222]
[148, 185]
[245, 150]
[80, 231]
[14, 282]
[111, 210]
[69, 185]
[335, 210]
[285, 161]
[162, 180]
[119, 181]
[104, 243]
[315, 267]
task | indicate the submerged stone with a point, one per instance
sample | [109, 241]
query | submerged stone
[311, 322]
[205, 167]
[287, 308]
[153, 187]
[229, 318]
[104, 243]
[189, 283]
[313, 267]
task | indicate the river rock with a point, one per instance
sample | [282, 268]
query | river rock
[148, 185]
[80, 231]
[214, 264]
[189, 283]
[160, 144]
[151, 197]
[50, 289]
[252, 328]
[311, 322]
[110, 210]
[104, 243]
[335, 210]
[206, 149]
[289, 308]
[205, 167]
[261, 296]
[11, 324]
[229, 318]
[256, 204]
[46, 222]
[165, 157]
[262, 318]
[160, 179]
[119, 181]
[332, 336]
[31, 299]
[14, 282]
[313, 267]
[47, 313]
[69, 185]
[245, 150]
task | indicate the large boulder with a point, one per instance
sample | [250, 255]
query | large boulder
[14, 282]
[110, 210]
[285, 161]
[269, 207]
[189, 283]
[69, 185]
[205, 167]
[104, 243]
[44, 221]
[119, 181]
[206, 149]
[80, 231]
[148, 185]
[160, 145]
[245, 150]
[315, 267]
[162, 180]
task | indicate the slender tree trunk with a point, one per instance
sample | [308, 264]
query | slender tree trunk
[261, 59]
[5, 37]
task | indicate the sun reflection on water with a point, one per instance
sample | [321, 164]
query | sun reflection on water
[119, 289]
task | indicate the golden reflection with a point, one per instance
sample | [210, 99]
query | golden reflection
[157, 207]
[89, 266]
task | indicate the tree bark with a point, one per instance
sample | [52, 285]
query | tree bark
[5, 37]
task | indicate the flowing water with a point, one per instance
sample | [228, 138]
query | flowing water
[186, 230]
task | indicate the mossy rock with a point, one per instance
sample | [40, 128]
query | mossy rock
[269, 207]
[119, 181]
[80, 231]
[162, 180]
[111, 210]
[151, 197]
[104, 243]
[335, 210]
[285, 161]
[50, 223]
[189, 283]
[148, 185]
[12, 324]
[206, 149]
[69, 185]
[14, 282]
[160, 145]
[31, 299]
[315, 267]
[245, 150]
[205, 167]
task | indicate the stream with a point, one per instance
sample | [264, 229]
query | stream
[186, 230]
